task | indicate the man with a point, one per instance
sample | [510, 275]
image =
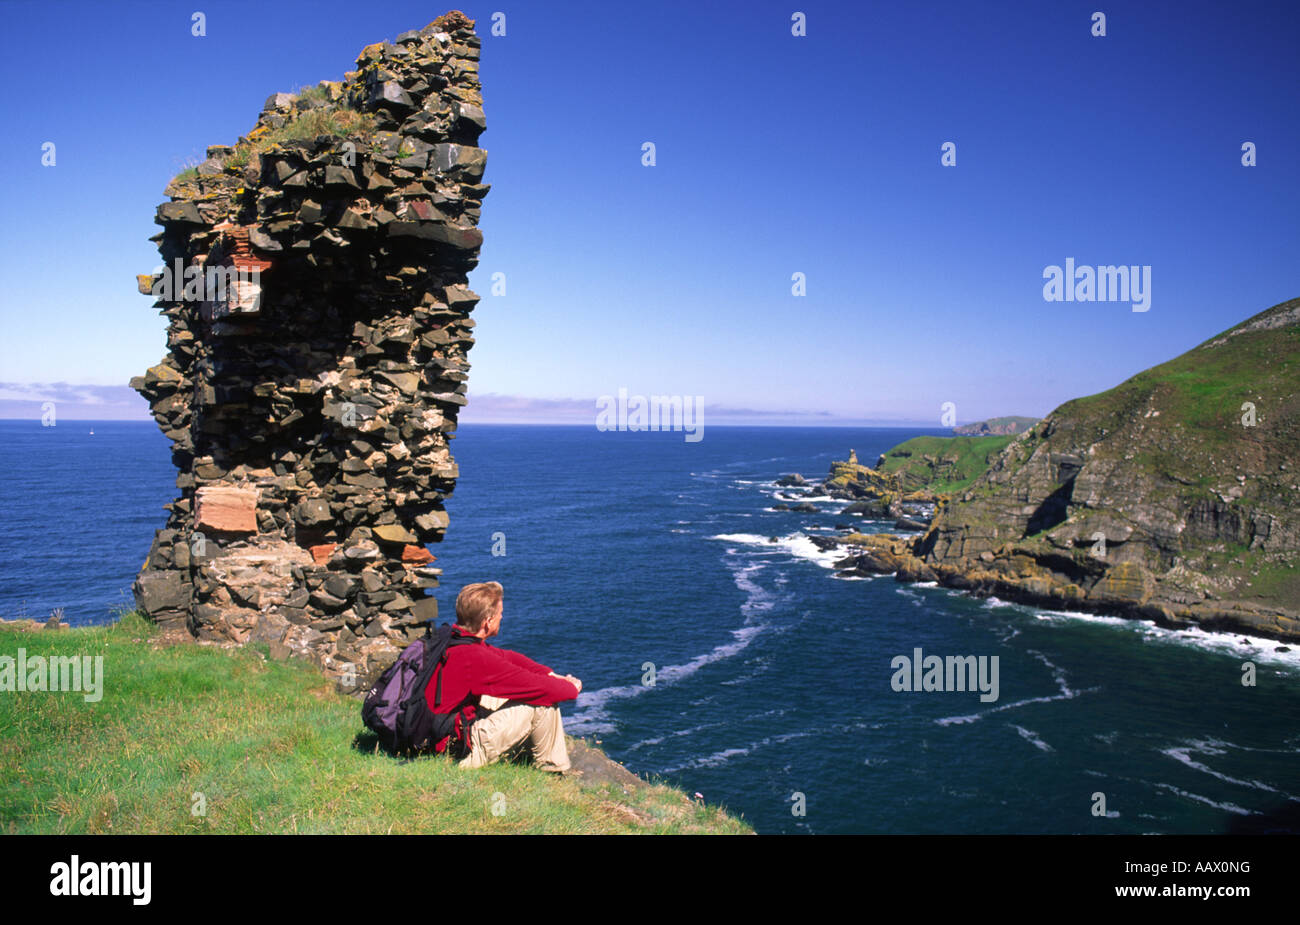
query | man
[501, 697]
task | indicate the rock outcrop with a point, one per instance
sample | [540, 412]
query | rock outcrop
[1171, 497]
[314, 281]
[1004, 427]
[940, 465]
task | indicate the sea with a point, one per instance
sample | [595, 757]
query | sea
[720, 653]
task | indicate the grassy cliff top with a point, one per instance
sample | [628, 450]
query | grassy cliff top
[1186, 469]
[941, 464]
[1203, 392]
[261, 746]
[1008, 425]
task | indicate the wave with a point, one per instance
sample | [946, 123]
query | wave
[795, 544]
[1032, 738]
[1259, 648]
[657, 740]
[724, 755]
[592, 709]
[1065, 692]
[1226, 807]
[1183, 755]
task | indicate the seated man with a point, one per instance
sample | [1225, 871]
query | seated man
[501, 697]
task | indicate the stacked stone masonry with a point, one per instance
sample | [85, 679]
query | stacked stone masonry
[316, 292]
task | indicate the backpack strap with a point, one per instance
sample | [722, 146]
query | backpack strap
[453, 640]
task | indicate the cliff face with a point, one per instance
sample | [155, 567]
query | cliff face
[314, 280]
[1171, 496]
[1005, 426]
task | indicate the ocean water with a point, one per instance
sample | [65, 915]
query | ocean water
[632, 554]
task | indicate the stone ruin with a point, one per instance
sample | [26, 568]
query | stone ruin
[314, 280]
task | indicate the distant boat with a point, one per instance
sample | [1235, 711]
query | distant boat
[92, 431]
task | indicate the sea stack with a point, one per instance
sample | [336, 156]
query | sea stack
[314, 277]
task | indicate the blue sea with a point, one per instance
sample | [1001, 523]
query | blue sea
[631, 557]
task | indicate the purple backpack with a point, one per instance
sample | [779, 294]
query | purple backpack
[396, 709]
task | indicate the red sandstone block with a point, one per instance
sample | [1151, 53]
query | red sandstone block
[225, 509]
[320, 554]
[416, 555]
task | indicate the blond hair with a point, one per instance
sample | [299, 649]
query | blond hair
[476, 603]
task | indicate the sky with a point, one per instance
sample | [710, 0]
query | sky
[775, 154]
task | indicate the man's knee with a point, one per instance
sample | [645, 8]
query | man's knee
[495, 734]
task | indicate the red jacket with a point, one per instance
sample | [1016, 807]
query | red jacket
[477, 669]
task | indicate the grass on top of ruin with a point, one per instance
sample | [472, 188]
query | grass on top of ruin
[319, 116]
[190, 738]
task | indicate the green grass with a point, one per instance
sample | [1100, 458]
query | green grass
[314, 93]
[271, 748]
[335, 121]
[944, 465]
[1020, 422]
[1204, 389]
[310, 123]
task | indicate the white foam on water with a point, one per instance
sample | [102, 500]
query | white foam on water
[795, 544]
[975, 717]
[1083, 616]
[1058, 675]
[657, 740]
[1227, 807]
[1257, 648]
[723, 756]
[710, 761]
[1032, 737]
[592, 709]
[1183, 755]
[993, 603]
[1220, 747]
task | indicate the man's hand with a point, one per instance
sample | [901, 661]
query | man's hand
[570, 678]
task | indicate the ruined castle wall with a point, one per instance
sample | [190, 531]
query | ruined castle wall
[314, 281]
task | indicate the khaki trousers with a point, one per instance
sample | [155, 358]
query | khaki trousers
[512, 726]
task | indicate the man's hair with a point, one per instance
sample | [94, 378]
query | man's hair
[476, 603]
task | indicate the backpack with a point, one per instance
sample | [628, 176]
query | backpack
[396, 709]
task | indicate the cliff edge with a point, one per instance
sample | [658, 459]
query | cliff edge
[1171, 496]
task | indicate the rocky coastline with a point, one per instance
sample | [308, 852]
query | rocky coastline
[1149, 501]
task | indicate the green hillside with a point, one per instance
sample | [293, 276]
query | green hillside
[940, 464]
[1007, 426]
[1188, 471]
[190, 738]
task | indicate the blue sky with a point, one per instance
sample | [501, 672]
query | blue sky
[775, 155]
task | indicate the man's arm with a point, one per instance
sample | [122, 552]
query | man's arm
[522, 661]
[503, 677]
